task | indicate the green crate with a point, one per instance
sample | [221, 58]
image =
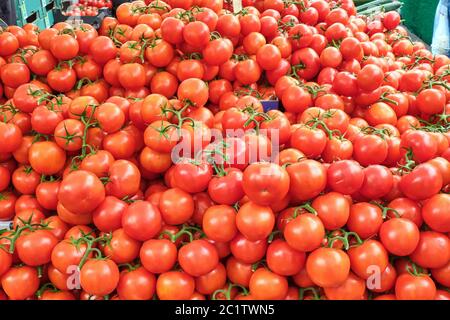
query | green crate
[419, 17]
[25, 9]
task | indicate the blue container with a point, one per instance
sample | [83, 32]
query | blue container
[270, 105]
[26, 10]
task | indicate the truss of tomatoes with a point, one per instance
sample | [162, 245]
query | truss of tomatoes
[355, 204]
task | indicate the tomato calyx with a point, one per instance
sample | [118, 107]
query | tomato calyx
[295, 68]
[409, 163]
[227, 292]
[259, 264]
[383, 98]
[27, 225]
[344, 237]
[415, 270]
[385, 210]
[274, 234]
[318, 122]
[306, 207]
[382, 133]
[90, 241]
[130, 267]
[312, 290]
[46, 287]
[187, 230]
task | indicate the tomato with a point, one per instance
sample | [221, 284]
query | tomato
[15, 74]
[333, 209]
[34, 248]
[219, 223]
[410, 287]
[227, 189]
[46, 157]
[311, 142]
[284, 260]
[193, 90]
[370, 149]
[5, 178]
[364, 258]
[99, 277]
[365, 219]
[345, 176]
[431, 101]
[136, 284]
[307, 179]
[411, 183]
[305, 232]
[399, 236]
[176, 206]
[141, 220]
[122, 248]
[265, 183]
[192, 177]
[432, 250]
[175, 285]
[64, 47]
[266, 285]
[353, 288]
[247, 251]
[378, 181]
[198, 257]
[158, 255]
[211, 281]
[20, 283]
[11, 135]
[102, 49]
[370, 77]
[254, 221]
[81, 192]
[160, 54]
[421, 144]
[62, 79]
[435, 214]
[25, 180]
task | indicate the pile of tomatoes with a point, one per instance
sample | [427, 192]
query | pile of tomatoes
[96, 3]
[81, 11]
[349, 201]
[87, 8]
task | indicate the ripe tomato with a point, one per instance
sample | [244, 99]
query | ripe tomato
[175, 285]
[307, 179]
[99, 277]
[435, 214]
[20, 283]
[254, 221]
[141, 220]
[219, 223]
[46, 157]
[399, 236]
[158, 255]
[81, 192]
[305, 232]
[410, 287]
[432, 250]
[283, 259]
[136, 284]
[265, 183]
[364, 258]
[266, 285]
[333, 209]
[34, 248]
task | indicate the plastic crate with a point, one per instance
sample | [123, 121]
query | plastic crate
[47, 11]
[95, 21]
[26, 9]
